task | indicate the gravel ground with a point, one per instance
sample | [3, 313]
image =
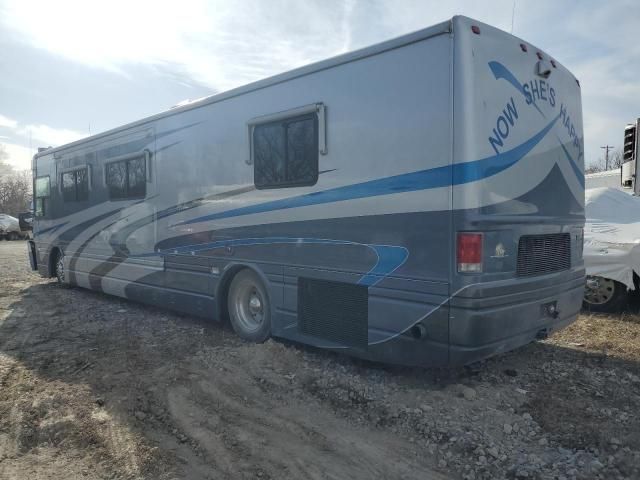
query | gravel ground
[96, 387]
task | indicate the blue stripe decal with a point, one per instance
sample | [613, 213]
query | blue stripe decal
[51, 229]
[389, 257]
[573, 164]
[444, 176]
[481, 169]
[500, 71]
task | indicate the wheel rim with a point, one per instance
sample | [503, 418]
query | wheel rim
[599, 290]
[249, 307]
[60, 268]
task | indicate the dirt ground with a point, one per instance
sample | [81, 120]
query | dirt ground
[95, 387]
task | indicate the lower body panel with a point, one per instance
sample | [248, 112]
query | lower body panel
[481, 327]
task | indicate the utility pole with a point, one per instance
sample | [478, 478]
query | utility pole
[606, 149]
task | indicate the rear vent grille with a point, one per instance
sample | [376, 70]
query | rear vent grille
[540, 254]
[334, 311]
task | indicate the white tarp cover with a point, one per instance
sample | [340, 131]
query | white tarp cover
[612, 234]
[9, 223]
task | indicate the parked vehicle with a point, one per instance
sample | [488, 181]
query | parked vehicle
[10, 228]
[417, 202]
[612, 248]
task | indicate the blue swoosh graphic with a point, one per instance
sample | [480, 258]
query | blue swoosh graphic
[500, 71]
[572, 162]
[444, 176]
[389, 257]
[51, 229]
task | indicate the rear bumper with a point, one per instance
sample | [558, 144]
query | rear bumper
[491, 318]
[498, 317]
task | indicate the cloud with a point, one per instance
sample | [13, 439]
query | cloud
[19, 156]
[49, 135]
[7, 122]
[218, 43]
[222, 44]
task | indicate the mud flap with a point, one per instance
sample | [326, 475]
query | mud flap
[33, 260]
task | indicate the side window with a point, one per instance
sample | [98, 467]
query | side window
[42, 192]
[286, 152]
[127, 178]
[82, 184]
[75, 185]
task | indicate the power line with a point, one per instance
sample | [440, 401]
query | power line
[606, 149]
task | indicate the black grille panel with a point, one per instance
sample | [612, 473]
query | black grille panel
[540, 254]
[334, 311]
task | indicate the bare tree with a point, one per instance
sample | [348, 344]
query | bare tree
[5, 168]
[615, 159]
[15, 187]
[15, 193]
[594, 167]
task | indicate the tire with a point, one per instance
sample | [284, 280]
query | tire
[58, 268]
[249, 307]
[604, 295]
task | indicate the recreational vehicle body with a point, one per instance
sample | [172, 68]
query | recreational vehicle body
[420, 201]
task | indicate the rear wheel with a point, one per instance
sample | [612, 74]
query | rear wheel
[249, 307]
[604, 295]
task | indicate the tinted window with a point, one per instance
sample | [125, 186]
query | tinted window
[39, 207]
[127, 178]
[42, 187]
[117, 179]
[75, 185]
[286, 152]
[69, 186]
[302, 151]
[137, 177]
[82, 184]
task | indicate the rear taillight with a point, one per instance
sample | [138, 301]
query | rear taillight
[469, 252]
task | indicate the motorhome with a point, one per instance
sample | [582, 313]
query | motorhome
[419, 201]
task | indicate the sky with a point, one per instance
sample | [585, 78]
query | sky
[71, 68]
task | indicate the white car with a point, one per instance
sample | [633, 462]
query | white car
[611, 248]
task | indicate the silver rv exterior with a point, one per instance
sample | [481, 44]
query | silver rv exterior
[420, 201]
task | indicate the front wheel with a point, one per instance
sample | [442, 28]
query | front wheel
[249, 307]
[59, 268]
[604, 295]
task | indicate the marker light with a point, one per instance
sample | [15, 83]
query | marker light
[475, 29]
[469, 252]
[523, 47]
[553, 63]
[539, 55]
